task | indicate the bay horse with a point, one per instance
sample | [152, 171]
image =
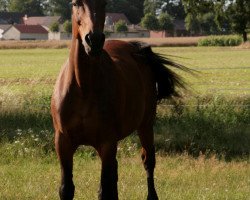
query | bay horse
[104, 92]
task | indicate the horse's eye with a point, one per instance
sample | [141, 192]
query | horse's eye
[76, 3]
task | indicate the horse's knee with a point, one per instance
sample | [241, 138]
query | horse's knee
[66, 192]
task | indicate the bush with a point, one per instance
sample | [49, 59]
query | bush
[67, 26]
[229, 40]
[54, 27]
[121, 26]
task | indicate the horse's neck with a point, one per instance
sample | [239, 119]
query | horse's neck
[80, 63]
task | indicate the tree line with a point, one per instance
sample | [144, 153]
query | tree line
[201, 16]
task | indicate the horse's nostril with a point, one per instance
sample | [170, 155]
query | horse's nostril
[88, 39]
[95, 41]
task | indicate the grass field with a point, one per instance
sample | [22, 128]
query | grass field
[212, 120]
[177, 178]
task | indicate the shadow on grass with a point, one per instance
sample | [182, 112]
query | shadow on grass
[211, 126]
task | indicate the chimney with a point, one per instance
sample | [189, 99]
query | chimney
[25, 18]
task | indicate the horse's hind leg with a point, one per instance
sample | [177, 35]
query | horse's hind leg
[109, 175]
[148, 158]
[65, 155]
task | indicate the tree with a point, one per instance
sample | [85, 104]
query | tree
[221, 17]
[166, 22]
[150, 22]
[121, 26]
[239, 14]
[67, 26]
[208, 23]
[4, 5]
[60, 7]
[150, 6]
[173, 8]
[192, 24]
[133, 9]
[54, 27]
[30, 7]
[198, 16]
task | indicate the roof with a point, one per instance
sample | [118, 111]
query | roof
[115, 17]
[11, 17]
[44, 21]
[30, 28]
[5, 27]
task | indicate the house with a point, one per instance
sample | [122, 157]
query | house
[3, 28]
[26, 32]
[11, 17]
[134, 31]
[61, 35]
[44, 21]
[179, 30]
[112, 18]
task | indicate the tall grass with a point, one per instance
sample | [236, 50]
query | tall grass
[206, 125]
[227, 40]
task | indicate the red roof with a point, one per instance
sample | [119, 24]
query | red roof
[30, 28]
[44, 20]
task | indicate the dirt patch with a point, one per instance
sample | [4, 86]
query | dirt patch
[245, 45]
[27, 44]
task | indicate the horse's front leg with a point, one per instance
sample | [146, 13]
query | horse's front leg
[65, 155]
[148, 159]
[109, 175]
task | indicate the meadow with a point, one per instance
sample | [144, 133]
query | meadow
[202, 140]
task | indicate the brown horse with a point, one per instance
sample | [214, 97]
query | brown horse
[105, 92]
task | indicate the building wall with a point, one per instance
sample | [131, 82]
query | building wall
[12, 34]
[60, 36]
[1, 34]
[34, 36]
[160, 34]
[129, 35]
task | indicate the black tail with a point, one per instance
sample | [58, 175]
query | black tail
[167, 81]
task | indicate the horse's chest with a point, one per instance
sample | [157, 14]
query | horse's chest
[89, 105]
[88, 116]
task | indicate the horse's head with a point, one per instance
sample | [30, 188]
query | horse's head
[88, 18]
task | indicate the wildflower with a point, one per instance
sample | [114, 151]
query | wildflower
[19, 132]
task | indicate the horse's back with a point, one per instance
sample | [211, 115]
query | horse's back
[139, 81]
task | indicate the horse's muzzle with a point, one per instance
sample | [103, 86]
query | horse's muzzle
[95, 41]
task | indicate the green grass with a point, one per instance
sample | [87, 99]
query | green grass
[211, 123]
[222, 71]
[212, 118]
[177, 178]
